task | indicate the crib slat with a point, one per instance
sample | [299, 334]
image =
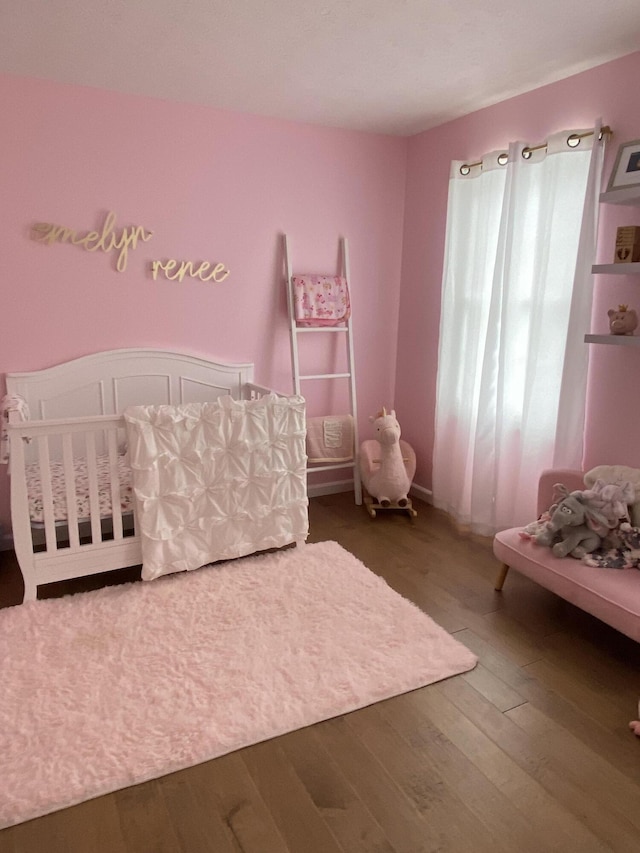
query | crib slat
[51, 543]
[114, 478]
[94, 499]
[70, 491]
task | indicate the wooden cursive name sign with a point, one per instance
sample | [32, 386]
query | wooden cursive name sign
[106, 240]
[177, 270]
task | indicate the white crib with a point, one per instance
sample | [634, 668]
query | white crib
[83, 522]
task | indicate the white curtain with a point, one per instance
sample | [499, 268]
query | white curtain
[516, 302]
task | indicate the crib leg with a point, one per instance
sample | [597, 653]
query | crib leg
[30, 588]
[502, 576]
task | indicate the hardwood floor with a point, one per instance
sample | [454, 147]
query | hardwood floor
[528, 753]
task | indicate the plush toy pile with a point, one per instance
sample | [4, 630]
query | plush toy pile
[599, 525]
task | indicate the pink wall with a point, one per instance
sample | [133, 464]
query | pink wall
[221, 186]
[211, 185]
[613, 401]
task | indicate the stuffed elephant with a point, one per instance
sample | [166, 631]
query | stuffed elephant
[570, 530]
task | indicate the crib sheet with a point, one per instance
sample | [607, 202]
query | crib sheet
[34, 489]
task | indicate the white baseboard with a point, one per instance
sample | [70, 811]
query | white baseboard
[425, 495]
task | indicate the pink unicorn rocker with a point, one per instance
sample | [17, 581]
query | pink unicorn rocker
[387, 466]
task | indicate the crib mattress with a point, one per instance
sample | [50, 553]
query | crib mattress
[58, 487]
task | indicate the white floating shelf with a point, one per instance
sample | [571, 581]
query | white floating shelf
[616, 340]
[617, 269]
[625, 195]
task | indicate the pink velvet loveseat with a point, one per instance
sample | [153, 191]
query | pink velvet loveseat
[612, 595]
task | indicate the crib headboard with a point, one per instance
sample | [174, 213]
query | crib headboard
[105, 383]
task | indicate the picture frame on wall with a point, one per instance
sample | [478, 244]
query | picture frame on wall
[626, 169]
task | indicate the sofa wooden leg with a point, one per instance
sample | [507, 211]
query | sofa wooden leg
[502, 575]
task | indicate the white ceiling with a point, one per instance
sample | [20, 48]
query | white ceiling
[389, 66]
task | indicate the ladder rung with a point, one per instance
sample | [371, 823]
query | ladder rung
[334, 467]
[321, 328]
[327, 376]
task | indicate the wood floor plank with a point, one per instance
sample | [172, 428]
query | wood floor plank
[405, 582]
[239, 804]
[408, 828]
[444, 587]
[447, 814]
[494, 658]
[556, 827]
[293, 811]
[9, 840]
[349, 819]
[144, 819]
[597, 778]
[573, 804]
[511, 829]
[592, 664]
[194, 814]
[493, 688]
[93, 825]
[614, 744]
[582, 694]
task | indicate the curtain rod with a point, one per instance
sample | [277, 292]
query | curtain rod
[573, 140]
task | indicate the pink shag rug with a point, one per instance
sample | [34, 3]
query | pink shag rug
[110, 688]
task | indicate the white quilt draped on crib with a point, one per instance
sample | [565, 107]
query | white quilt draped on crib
[215, 481]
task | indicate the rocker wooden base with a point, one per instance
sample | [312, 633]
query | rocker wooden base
[373, 506]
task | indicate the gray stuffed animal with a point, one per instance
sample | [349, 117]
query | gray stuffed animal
[570, 529]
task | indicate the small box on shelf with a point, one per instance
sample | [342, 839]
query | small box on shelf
[627, 244]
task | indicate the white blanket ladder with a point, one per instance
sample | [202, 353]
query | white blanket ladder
[344, 329]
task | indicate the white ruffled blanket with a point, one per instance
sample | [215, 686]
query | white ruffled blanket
[214, 481]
